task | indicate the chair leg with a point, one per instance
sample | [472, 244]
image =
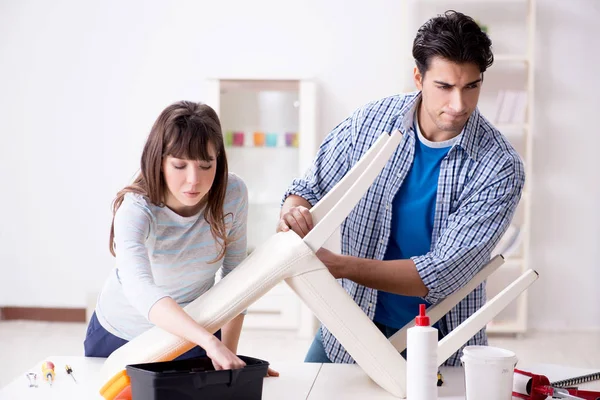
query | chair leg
[459, 336]
[442, 308]
[335, 194]
[348, 200]
[350, 325]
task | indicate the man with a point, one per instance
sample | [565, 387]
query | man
[433, 216]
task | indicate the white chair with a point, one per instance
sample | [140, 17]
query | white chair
[285, 256]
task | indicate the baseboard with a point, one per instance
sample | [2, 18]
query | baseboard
[43, 314]
[560, 327]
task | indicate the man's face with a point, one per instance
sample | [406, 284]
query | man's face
[450, 92]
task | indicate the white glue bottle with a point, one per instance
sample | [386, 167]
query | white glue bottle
[421, 363]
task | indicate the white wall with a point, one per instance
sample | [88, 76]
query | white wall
[80, 86]
[566, 188]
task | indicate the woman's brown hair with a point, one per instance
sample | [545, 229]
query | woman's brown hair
[183, 130]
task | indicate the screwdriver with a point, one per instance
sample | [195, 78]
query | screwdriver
[70, 372]
[48, 371]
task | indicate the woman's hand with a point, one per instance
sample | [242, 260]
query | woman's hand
[221, 356]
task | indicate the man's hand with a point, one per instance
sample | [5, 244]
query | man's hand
[272, 372]
[334, 262]
[297, 218]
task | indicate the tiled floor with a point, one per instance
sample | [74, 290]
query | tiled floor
[23, 343]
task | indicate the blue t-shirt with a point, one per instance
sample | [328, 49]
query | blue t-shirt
[413, 212]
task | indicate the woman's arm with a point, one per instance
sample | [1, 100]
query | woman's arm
[230, 333]
[168, 315]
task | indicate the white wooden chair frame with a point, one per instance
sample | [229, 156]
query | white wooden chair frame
[285, 256]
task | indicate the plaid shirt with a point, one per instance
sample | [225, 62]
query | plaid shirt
[480, 184]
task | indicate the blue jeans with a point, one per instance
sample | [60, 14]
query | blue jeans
[101, 343]
[316, 352]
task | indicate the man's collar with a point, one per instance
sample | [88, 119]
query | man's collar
[468, 140]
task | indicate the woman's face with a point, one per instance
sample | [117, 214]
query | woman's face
[188, 182]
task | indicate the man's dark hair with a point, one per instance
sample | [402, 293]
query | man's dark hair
[455, 37]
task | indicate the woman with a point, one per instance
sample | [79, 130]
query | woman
[181, 221]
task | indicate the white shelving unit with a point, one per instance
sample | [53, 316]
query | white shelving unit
[270, 135]
[511, 27]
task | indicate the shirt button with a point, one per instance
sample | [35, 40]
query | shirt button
[387, 206]
[370, 305]
[382, 241]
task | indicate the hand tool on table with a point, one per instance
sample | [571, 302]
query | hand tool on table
[32, 377]
[70, 372]
[539, 388]
[48, 371]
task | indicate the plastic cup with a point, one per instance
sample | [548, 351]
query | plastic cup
[489, 372]
[238, 138]
[228, 138]
[259, 139]
[271, 140]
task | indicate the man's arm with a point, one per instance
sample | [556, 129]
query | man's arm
[394, 276]
[294, 201]
[466, 243]
[464, 246]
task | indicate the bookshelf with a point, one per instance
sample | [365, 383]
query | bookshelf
[269, 128]
[511, 26]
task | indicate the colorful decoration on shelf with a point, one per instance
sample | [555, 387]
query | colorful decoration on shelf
[291, 139]
[259, 139]
[238, 138]
[272, 140]
[228, 138]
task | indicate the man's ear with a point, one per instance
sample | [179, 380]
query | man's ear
[418, 78]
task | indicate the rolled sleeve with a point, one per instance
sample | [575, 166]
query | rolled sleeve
[300, 187]
[472, 232]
